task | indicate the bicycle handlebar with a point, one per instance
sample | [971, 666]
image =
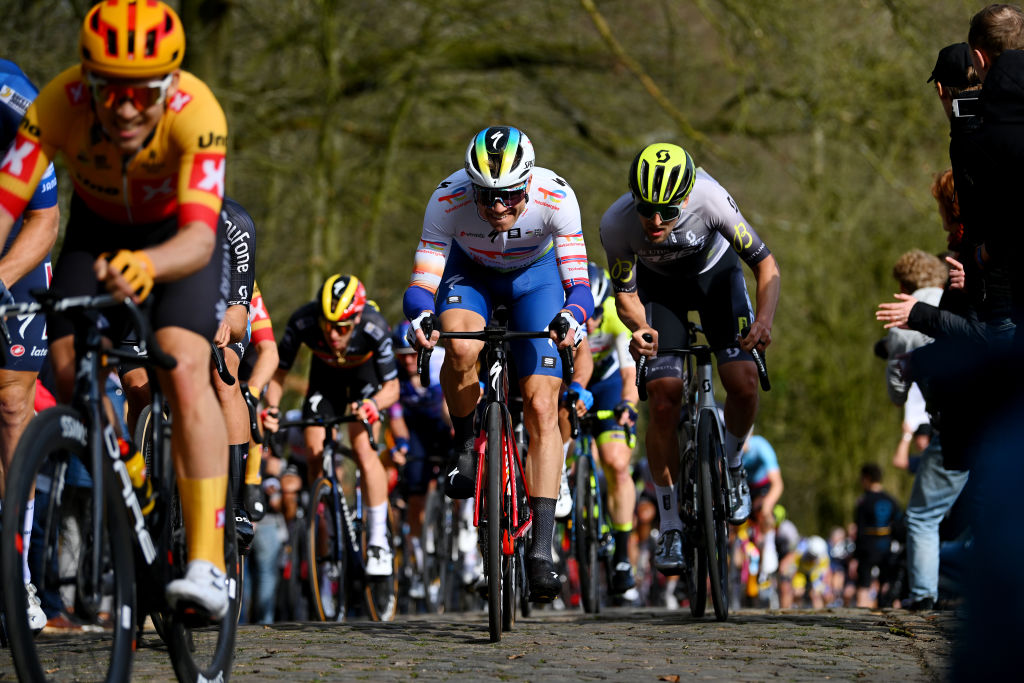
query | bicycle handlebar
[218, 362]
[251, 404]
[328, 422]
[641, 366]
[48, 301]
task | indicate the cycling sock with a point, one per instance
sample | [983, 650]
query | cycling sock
[734, 449]
[464, 434]
[565, 451]
[668, 508]
[417, 552]
[621, 545]
[202, 502]
[252, 464]
[377, 525]
[543, 527]
[769, 555]
[237, 453]
[26, 536]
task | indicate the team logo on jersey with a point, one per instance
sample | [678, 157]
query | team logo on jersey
[547, 361]
[152, 189]
[179, 101]
[454, 197]
[551, 198]
[21, 157]
[76, 92]
[19, 103]
[208, 173]
[17, 350]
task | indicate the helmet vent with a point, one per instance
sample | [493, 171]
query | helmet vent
[673, 179]
[111, 41]
[150, 43]
[131, 42]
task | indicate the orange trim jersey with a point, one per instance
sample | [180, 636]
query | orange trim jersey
[259, 319]
[179, 171]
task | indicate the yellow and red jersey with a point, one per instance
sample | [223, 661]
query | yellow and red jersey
[179, 170]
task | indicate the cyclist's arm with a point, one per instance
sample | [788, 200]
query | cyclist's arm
[775, 488]
[272, 399]
[266, 365]
[766, 272]
[36, 238]
[633, 316]
[583, 363]
[428, 265]
[232, 328]
[387, 394]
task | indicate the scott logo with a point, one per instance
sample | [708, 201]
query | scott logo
[663, 156]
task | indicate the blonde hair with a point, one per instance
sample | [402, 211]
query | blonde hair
[916, 269]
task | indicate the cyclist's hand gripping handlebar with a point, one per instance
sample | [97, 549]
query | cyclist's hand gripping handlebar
[641, 371]
[423, 355]
[762, 368]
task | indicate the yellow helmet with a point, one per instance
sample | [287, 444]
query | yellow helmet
[661, 173]
[131, 39]
[342, 297]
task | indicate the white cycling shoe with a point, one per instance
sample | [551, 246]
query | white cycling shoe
[203, 586]
[379, 561]
[36, 615]
[563, 506]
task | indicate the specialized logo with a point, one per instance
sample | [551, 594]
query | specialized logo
[179, 101]
[314, 402]
[20, 159]
[451, 476]
[76, 92]
[208, 173]
[495, 373]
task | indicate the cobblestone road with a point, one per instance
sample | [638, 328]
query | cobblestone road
[617, 645]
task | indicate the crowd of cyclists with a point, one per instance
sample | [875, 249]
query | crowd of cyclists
[146, 147]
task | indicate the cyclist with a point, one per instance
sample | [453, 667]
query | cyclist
[613, 385]
[502, 230]
[146, 145]
[24, 265]
[353, 366]
[667, 242]
[766, 486]
[422, 432]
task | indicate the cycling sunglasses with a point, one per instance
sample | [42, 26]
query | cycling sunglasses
[108, 94]
[668, 212]
[340, 326]
[511, 197]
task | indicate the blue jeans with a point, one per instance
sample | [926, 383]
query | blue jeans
[934, 492]
[264, 563]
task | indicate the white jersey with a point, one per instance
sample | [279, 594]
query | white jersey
[551, 220]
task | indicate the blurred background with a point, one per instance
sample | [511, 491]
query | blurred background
[816, 116]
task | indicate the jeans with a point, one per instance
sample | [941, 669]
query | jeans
[264, 561]
[934, 492]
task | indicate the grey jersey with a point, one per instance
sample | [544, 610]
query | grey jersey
[709, 223]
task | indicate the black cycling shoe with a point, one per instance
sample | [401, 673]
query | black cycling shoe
[669, 557]
[544, 582]
[622, 578]
[243, 531]
[460, 474]
[254, 500]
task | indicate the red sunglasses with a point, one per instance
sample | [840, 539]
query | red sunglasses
[109, 94]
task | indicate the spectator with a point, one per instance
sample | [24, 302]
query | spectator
[875, 514]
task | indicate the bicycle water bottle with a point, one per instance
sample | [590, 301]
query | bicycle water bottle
[136, 466]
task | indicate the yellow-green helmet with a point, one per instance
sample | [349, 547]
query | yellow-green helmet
[661, 173]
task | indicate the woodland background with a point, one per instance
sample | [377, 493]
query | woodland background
[816, 116]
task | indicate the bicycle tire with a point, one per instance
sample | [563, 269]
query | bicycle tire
[713, 512]
[509, 591]
[492, 501]
[525, 606]
[51, 438]
[436, 551]
[696, 574]
[381, 592]
[198, 650]
[327, 556]
[586, 533]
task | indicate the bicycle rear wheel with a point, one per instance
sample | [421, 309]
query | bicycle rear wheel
[492, 546]
[201, 650]
[327, 555]
[51, 456]
[586, 533]
[714, 513]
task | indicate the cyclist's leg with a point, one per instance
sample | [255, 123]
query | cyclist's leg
[236, 419]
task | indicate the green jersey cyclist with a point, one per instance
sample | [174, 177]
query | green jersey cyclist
[667, 242]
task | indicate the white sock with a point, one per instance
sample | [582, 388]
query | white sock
[377, 523]
[417, 552]
[734, 449]
[668, 508]
[26, 536]
[769, 555]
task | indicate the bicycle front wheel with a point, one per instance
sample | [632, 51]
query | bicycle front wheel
[493, 565]
[97, 597]
[714, 513]
[200, 650]
[327, 555]
[586, 533]
[381, 592]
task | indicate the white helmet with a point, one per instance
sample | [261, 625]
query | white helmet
[498, 157]
[817, 547]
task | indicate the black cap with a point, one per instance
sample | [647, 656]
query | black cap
[951, 66]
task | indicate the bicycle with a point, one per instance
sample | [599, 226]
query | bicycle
[502, 513]
[704, 482]
[336, 537]
[93, 546]
[591, 538]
